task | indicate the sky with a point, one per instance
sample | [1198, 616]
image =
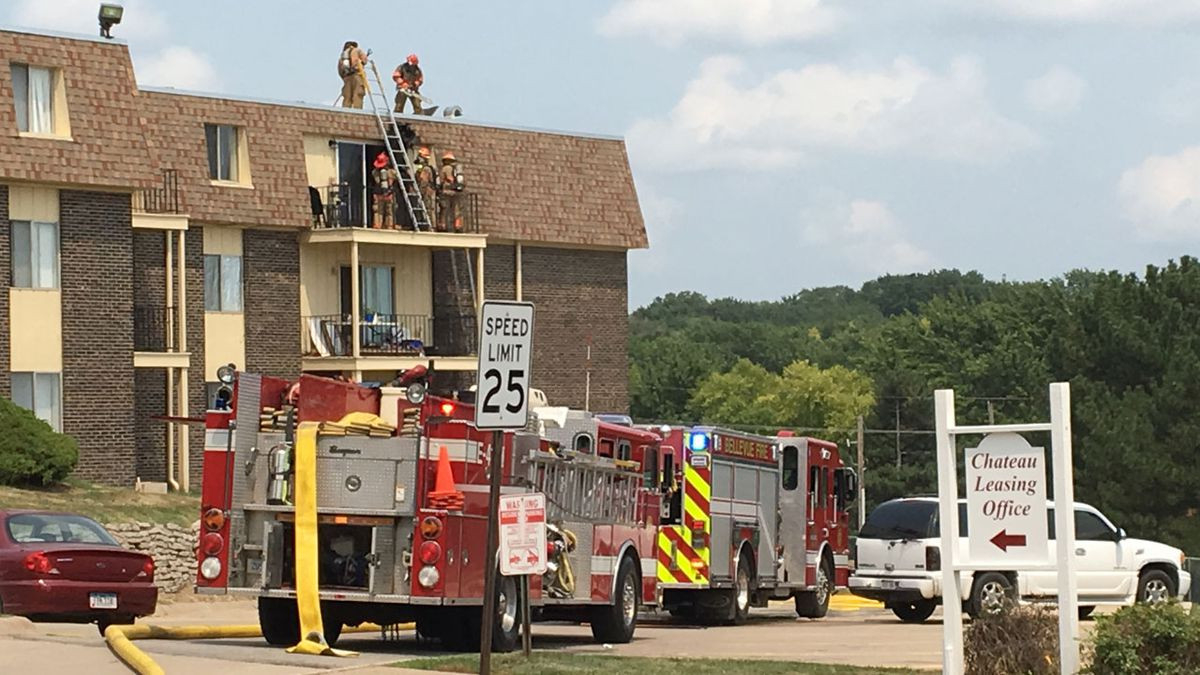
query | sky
[779, 145]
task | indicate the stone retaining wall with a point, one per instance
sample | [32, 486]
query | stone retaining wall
[172, 546]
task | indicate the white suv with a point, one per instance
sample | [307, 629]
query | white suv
[899, 563]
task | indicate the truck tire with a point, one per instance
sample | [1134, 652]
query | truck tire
[1155, 587]
[743, 589]
[279, 621]
[506, 629]
[991, 594]
[913, 612]
[614, 624]
[815, 604]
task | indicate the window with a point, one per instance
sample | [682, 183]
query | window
[34, 254]
[791, 468]
[606, 447]
[376, 290]
[29, 528]
[583, 443]
[222, 151]
[668, 472]
[650, 466]
[1089, 527]
[901, 519]
[33, 97]
[624, 451]
[40, 393]
[223, 283]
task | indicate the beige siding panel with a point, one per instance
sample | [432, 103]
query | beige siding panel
[319, 276]
[33, 203]
[320, 160]
[222, 240]
[224, 340]
[35, 318]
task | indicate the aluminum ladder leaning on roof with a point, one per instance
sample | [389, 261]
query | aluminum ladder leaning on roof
[418, 212]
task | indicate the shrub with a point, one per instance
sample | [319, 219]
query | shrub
[1146, 639]
[1019, 640]
[31, 453]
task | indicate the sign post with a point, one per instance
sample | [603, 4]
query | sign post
[1006, 514]
[501, 402]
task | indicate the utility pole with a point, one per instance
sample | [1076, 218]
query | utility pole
[991, 412]
[899, 461]
[862, 488]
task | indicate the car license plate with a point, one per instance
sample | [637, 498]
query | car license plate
[103, 600]
[888, 583]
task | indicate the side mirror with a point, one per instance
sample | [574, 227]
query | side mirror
[851, 486]
[1121, 533]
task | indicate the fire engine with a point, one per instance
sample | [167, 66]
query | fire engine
[750, 519]
[402, 500]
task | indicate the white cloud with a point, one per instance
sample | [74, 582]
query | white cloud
[1058, 91]
[1161, 196]
[141, 21]
[867, 236]
[723, 119]
[753, 22]
[179, 67]
[1095, 11]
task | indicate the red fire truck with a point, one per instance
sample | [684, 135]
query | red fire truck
[393, 550]
[751, 519]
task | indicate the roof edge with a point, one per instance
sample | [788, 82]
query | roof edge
[63, 34]
[172, 91]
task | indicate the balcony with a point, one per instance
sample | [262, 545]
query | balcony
[155, 337]
[342, 213]
[159, 207]
[388, 341]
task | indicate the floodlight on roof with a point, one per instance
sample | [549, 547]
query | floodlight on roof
[110, 15]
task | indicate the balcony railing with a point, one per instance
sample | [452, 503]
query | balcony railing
[389, 335]
[161, 199]
[344, 205]
[150, 328]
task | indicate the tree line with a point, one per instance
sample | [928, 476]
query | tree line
[1128, 344]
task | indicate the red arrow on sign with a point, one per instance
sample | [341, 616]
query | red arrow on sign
[1003, 540]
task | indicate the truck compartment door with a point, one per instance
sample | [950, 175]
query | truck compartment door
[793, 509]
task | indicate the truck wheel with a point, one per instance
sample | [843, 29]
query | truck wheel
[991, 594]
[913, 612]
[506, 630]
[614, 623]
[1155, 587]
[814, 604]
[739, 602]
[279, 621]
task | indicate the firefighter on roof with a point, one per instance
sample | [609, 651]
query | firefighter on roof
[350, 69]
[408, 79]
[383, 184]
[426, 178]
[449, 186]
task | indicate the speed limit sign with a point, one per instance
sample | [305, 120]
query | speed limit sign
[505, 346]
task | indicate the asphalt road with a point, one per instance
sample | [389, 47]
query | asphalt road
[853, 633]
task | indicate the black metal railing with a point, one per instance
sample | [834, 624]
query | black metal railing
[345, 205]
[400, 334]
[150, 328]
[390, 335]
[161, 199]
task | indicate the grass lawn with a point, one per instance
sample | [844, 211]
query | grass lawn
[105, 504]
[545, 663]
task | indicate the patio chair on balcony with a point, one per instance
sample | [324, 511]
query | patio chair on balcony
[318, 209]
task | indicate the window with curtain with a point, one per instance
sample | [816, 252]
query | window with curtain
[223, 283]
[33, 98]
[34, 254]
[376, 290]
[40, 393]
[222, 151]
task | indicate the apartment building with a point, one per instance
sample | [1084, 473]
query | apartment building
[153, 236]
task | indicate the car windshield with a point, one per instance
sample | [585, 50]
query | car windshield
[900, 519]
[39, 528]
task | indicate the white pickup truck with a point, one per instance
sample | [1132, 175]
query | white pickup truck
[899, 563]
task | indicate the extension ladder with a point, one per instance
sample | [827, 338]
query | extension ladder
[418, 212]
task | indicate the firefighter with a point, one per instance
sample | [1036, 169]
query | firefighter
[383, 187]
[449, 187]
[350, 68]
[408, 79]
[426, 178]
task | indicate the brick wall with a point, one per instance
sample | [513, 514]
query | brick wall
[194, 253]
[499, 272]
[271, 267]
[5, 278]
[97, 297]
[578, 294]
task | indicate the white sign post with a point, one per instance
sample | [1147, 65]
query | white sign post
[1006, 503]
[523, 534]
[1005, 524]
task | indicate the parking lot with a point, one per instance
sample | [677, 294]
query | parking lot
[853, 633]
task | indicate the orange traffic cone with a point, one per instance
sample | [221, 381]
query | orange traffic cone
[444, 496]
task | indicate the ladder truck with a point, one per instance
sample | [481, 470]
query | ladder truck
[401, 511]
[752, 519]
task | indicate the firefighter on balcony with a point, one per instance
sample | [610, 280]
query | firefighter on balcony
[350, 69]
[426, 178]
[450, 186]
[383, 189]
[408, 79]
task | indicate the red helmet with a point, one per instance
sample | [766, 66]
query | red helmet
[412, 58]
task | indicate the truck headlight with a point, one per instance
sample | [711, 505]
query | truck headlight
[428, 577]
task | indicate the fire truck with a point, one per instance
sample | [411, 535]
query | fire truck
[752, 519]
[402, 507]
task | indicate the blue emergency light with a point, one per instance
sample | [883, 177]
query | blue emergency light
[698, 441]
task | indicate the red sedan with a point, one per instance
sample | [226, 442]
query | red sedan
[68, 568]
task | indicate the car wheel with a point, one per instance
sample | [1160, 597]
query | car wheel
[279, 620]
[914, 612]
[614, 624]
[114, 620]
[814, 604]
[1085, 611]
[1155, 587]
[991, 594]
